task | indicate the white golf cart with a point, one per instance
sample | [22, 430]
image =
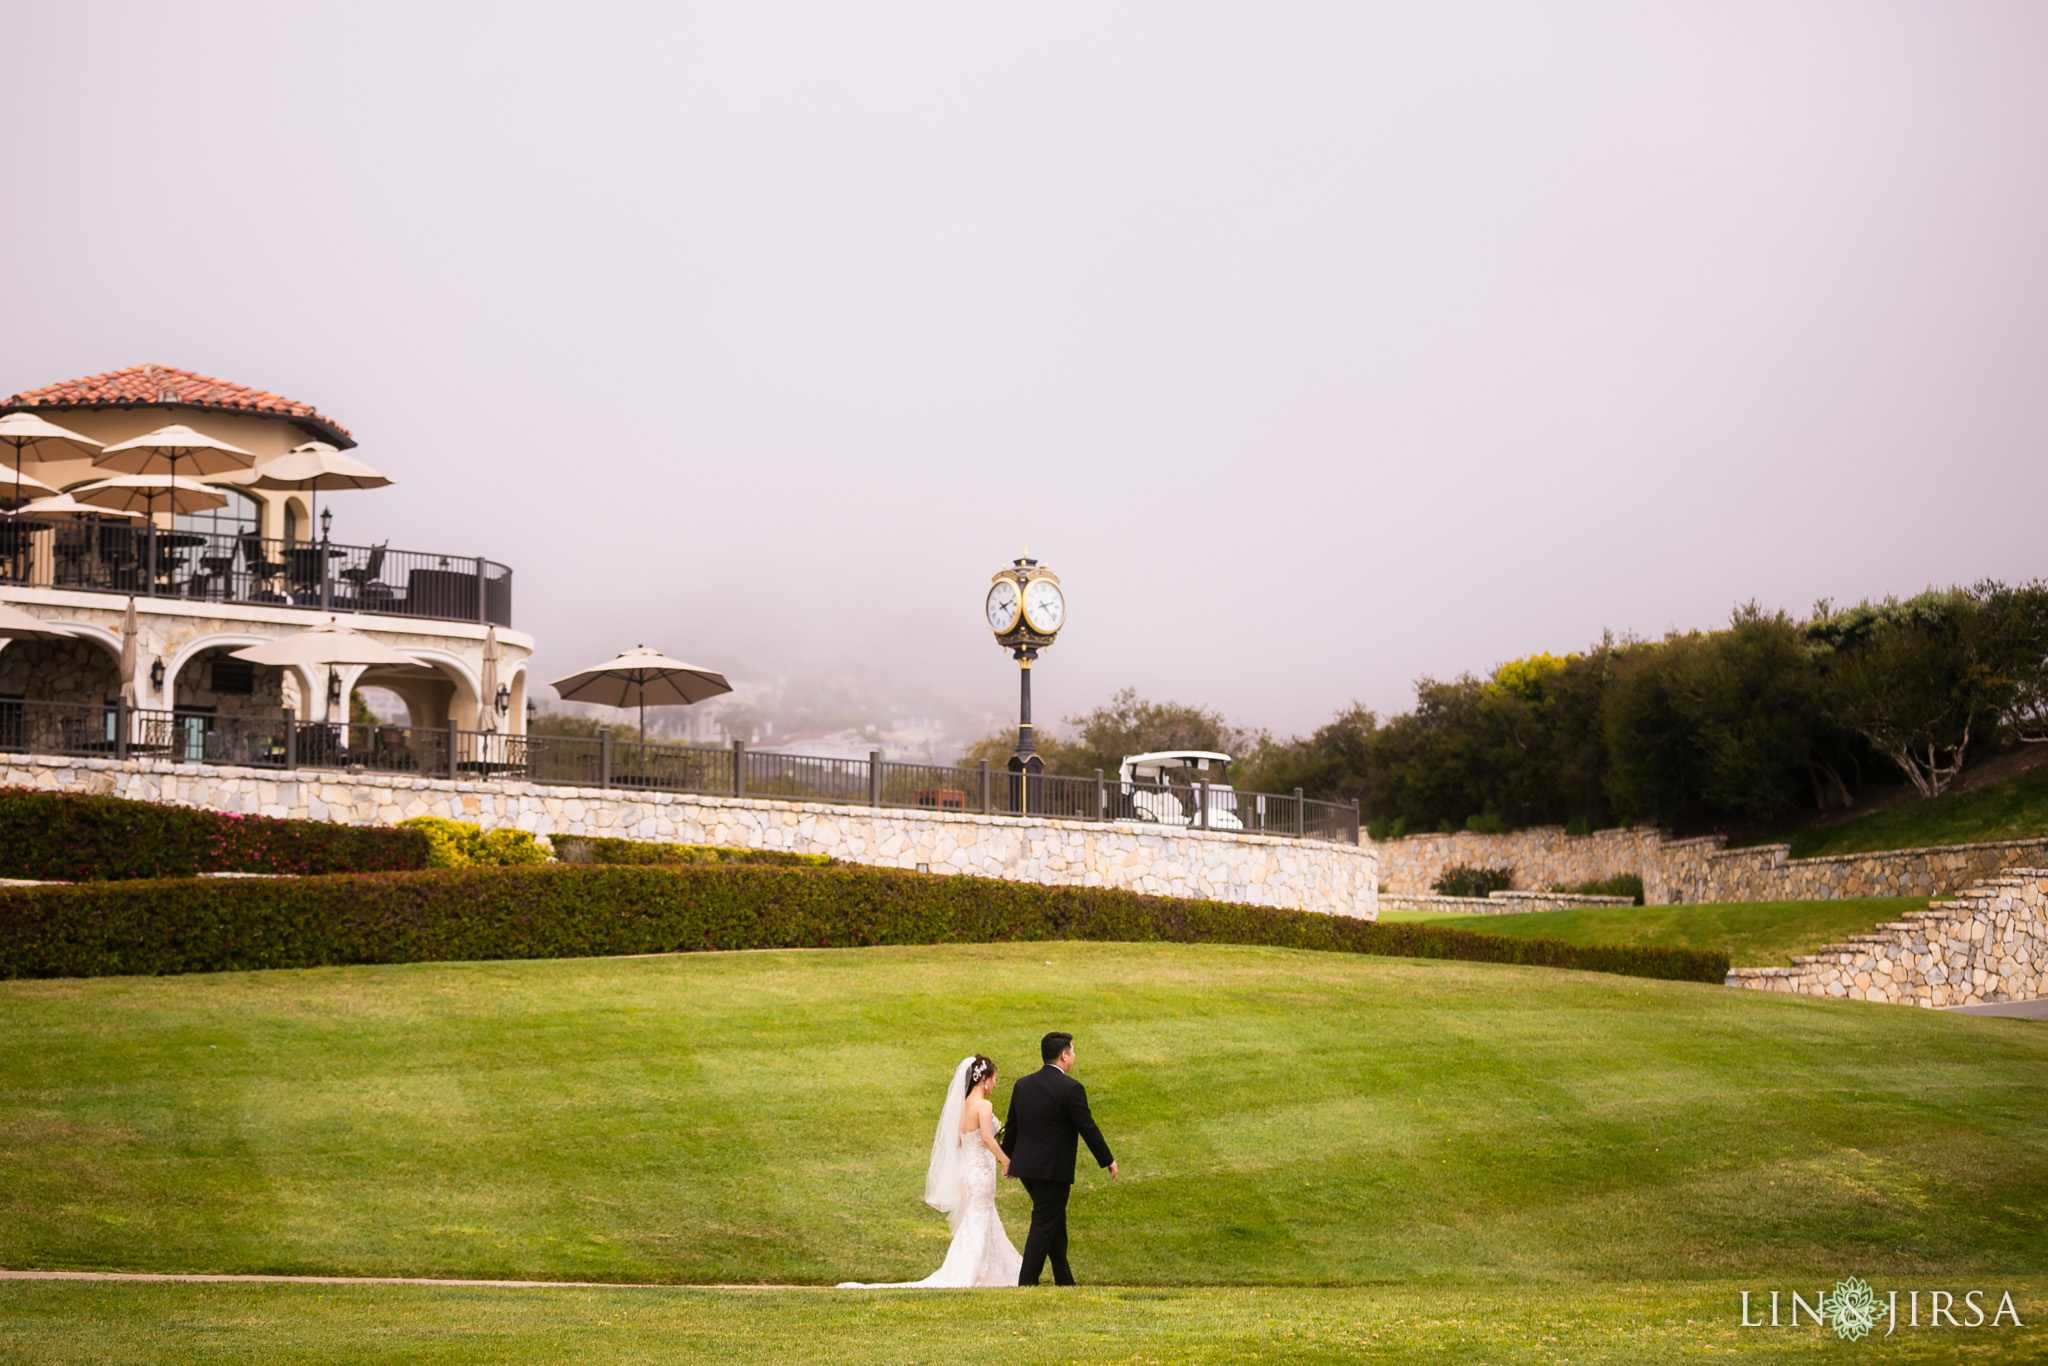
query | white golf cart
[1164, 788]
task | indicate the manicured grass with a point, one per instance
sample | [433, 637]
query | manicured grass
[1754, 934]
[1283, 1117]
[2014, 809]
[1639, 1324]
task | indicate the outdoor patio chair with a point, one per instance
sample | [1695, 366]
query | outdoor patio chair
[363, 578]
[263, 571]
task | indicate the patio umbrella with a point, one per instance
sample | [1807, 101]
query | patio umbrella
[161, 451]
[23, 430]
[328, 643]
[16, 624]
[25, 486]
[64, 505]
[310, 468]
[129, 630]
[642, 675]
[487, 683]
[140, 492]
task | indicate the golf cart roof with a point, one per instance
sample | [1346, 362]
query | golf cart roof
[1175, 756]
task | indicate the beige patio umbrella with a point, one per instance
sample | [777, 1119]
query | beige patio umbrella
[328, 643]
[141, 492]
[487, 683]
[163, 450]
[641, 675]
[310, 468]
[64, 505]
[25, 486]
[129, 654]
[25, 430]
[16, 624]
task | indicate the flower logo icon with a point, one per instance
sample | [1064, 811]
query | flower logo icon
[1852, 1309]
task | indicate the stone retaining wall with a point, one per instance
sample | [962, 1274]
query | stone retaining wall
[1989, 944]
[1259, 870]
[1694, 870]
[1498, 903]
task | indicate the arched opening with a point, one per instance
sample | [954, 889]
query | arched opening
[58, 695]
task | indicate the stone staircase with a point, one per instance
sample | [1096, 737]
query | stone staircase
[1989, 943]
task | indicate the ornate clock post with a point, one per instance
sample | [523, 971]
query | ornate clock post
[1025, 609]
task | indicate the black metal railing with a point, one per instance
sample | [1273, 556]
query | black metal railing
[147, 561]
[111, 730]
[115, 731]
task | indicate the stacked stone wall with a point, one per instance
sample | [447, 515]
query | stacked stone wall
[1989, 944]
[1257, 870]
[1499, 903]
[1690, 871]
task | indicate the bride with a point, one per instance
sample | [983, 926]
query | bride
[966, 1164]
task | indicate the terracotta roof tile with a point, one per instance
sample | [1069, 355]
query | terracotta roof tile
[150, 386]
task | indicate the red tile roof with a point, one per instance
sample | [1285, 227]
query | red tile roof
[159, 386]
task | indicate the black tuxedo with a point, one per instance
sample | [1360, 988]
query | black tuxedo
[1048, 1117]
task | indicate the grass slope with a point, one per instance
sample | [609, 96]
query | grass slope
[1640, 1325]
[1284, 1118]
[1753, 934]
[2014, 809]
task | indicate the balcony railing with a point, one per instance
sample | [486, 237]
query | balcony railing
[283, 742]
[146, 561]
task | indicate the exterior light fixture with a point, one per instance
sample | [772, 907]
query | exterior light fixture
[333, 688]
[504, 699]
[532, 712]
[326, 522]
[1025, 608]
[156, 676]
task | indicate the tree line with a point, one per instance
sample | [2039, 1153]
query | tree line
[1700, 730]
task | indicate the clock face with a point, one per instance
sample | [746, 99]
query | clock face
[1002, 606]
[1044, 606]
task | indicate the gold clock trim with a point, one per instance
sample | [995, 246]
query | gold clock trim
[1003, 630]
[1024, 605]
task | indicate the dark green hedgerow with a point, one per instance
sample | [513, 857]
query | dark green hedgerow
[592, 849]
[69, 837]
[571, 911]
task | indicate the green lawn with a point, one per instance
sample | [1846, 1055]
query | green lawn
[1633, 1325]
[1754, 933]
[2014, 809]
[1435, 1137]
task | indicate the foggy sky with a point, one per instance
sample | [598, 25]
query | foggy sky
[1316, 347]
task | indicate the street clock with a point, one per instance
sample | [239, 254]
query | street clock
[1025, 609]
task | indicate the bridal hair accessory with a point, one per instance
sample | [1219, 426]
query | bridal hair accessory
[978, 1070]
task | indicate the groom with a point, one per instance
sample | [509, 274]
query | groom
[1048, 1111]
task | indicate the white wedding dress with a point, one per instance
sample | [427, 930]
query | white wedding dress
[962, 1182]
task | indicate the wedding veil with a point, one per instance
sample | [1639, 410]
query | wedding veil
[942, 1178]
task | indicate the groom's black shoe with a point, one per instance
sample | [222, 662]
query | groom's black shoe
[1048, 1236]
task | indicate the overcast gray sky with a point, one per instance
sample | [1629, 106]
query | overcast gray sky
[1316, 346]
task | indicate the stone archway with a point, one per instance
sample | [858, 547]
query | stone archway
[81, 671]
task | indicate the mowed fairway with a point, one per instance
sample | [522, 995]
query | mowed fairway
[1328, 1156]
[1284, 1117]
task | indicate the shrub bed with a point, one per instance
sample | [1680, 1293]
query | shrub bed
[1462, 879]
[570, 911]
[591, 849]
[70, 837]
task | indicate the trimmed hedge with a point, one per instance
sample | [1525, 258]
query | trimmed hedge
[572, 911]
[459, 844]
[69, 837]
[591, 849]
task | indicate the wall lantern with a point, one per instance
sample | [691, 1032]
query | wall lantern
[333, 688]
[532, 713]
[504, 699]
[156, 676]
[326, 522]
